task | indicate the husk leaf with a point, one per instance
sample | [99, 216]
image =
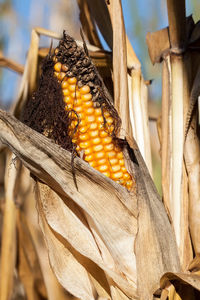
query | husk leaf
[117, 230]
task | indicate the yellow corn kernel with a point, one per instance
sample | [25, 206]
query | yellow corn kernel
[111, 154]
[126, 176]
[90, 119]
[74, 140]
[85, 89]
[116, 168]
[88, 131]
[64, 85]
[69, 106]
[55, 59]
[96, 141]
[98, 148]
[84, 137]
[61, 76]
[106, 174]
[76, 95]
[88, 104]
[103, 133]
[89, 111]
[121, 162]
[120, 155]
[84, 145]
[117, 175]
[99, 155]
[89, 157]
[129, 184]
[123, 169]
[66, 92]
[77, 102]
[67, 99]
[72, 126]
[107, 140]
[83, 129]
[102, 161]
[78, 109]
[93, 126]
[100, 119]
[88, 151]
[113, 161]
[94, 133]
[56, 74]
[81, 116]
[102, 168]
[86, 97]
[106, 114]
[93, 164]
[83, 123]
[57, 67]
[109, 120]
[109, 147]
[72, 87]
[72, 80]
[98, 112]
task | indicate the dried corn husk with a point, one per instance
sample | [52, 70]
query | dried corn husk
[111, 215]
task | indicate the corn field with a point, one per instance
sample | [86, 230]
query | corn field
[80, 215]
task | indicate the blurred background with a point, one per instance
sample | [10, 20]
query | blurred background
[18, 17]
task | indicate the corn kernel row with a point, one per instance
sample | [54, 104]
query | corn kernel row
[89, 133]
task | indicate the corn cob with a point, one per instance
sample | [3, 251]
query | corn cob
[72, 107]
[91, 129]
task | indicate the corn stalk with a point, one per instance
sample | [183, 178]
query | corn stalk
[175, 103]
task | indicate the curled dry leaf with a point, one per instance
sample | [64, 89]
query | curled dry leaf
[187, 285]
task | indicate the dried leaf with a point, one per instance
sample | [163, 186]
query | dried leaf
[195, 265]
[158, 43]
[184, 283]
[9, 63]
[139, 115]
[120, 67]
[88, 23]
[66, 219]
[69, 272]
[100, 16]
[29, 268]
[192, 161]
[175, 182]
[155, 245]
[54, 289]
[117, 230]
